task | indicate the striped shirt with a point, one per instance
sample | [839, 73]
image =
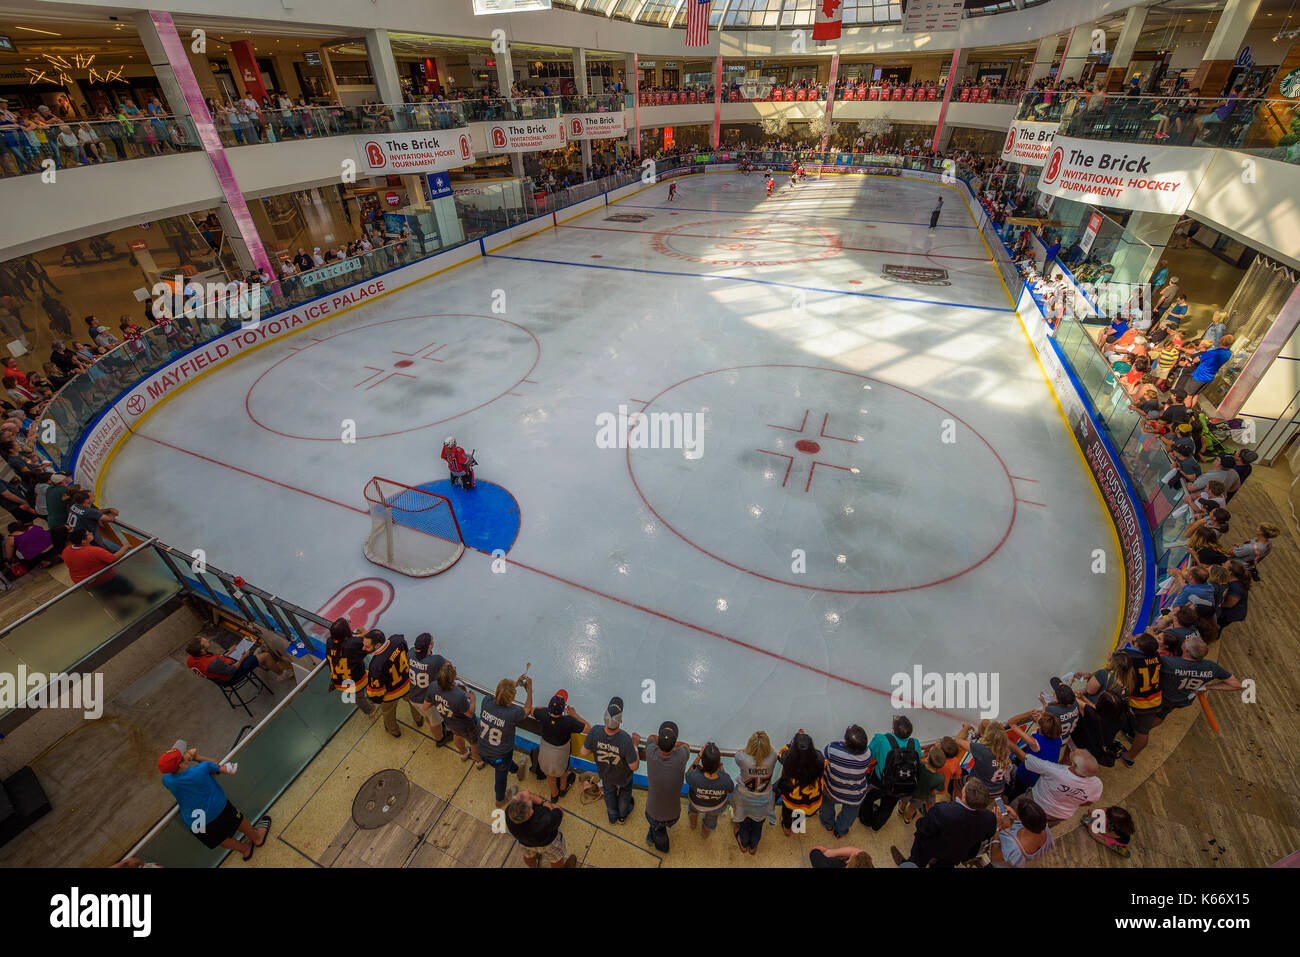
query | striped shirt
[845, 776]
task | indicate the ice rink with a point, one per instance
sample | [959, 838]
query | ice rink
[883, 479]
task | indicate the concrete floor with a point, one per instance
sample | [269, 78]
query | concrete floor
[101, 777]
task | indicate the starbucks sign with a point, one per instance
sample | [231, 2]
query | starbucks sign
[1289, 86]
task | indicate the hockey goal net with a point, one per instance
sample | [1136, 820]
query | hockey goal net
[412, 531]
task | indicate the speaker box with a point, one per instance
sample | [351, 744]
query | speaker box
[11, 822]
[27, 798]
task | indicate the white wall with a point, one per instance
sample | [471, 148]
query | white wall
[94, 199]
[1259, 204]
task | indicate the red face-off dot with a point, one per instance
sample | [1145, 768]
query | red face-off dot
[402, 363]
[808, 446]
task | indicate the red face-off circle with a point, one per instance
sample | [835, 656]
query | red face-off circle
[769, 243]
[850, 469]
[393, 376]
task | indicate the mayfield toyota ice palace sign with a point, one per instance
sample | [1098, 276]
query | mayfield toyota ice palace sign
[1151, 179]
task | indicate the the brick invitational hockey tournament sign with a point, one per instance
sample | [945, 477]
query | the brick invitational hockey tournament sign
[1151, 179]
[595, 126]
[1029, 143]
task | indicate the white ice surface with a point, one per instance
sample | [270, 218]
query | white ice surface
[602, 593]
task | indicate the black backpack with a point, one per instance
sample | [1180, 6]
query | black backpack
[902, 770]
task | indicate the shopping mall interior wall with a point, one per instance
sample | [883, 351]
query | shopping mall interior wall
[81, 202]
[292, 164]
[1254, 200]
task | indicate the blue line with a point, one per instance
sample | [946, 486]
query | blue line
[761, 282]
[843, 219]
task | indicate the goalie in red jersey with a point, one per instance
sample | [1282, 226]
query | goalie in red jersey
[459, 463]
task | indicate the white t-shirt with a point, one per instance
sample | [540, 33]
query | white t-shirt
[1059, 791]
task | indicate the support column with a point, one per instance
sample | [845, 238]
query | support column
[717, 102]
[1077, 46]
[1221, 51]
[947, 97]
[1044, 59]
[505, 80]
[1122, 56]
[958, 67]
[171, 65]
[328, 65]
[202, 68]
[634, 71]
[830, 97]
[383, 66]
[581, 87]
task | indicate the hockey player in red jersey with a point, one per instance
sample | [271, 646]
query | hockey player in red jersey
[770, 183]
[459, 463]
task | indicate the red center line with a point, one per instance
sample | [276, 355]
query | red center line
[788, 242]
[559, 578]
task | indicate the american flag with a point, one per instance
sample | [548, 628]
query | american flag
[697, 22]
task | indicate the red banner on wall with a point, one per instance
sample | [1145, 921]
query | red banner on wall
[246, 60]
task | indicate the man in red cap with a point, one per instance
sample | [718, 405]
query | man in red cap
[559, 723]
[204, 807]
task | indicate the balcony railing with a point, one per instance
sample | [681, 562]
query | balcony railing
[26, 144]
[1265, 127]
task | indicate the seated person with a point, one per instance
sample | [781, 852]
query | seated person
[1023, 834]
[1098, 725]
[1116, 832]
[203, 660]
[29, 544]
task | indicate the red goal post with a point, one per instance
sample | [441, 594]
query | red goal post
[412, 530]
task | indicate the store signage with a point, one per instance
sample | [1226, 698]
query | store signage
[439, 185]
[331, 271]
[398, 153]
[392, 199]
[1290, 85]
[520, 136]
[484, 7]
[1028, 143]
[930, 15]
[1149, 178]
[595, 126]
[1090, 234]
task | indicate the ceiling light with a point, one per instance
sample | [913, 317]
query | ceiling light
[49, 33]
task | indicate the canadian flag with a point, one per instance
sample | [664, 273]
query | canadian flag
[830, 17]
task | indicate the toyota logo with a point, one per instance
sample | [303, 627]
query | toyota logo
[135, 404]
[1054, 165]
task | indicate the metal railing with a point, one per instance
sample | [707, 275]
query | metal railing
[27, 145]
[1264, 127]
